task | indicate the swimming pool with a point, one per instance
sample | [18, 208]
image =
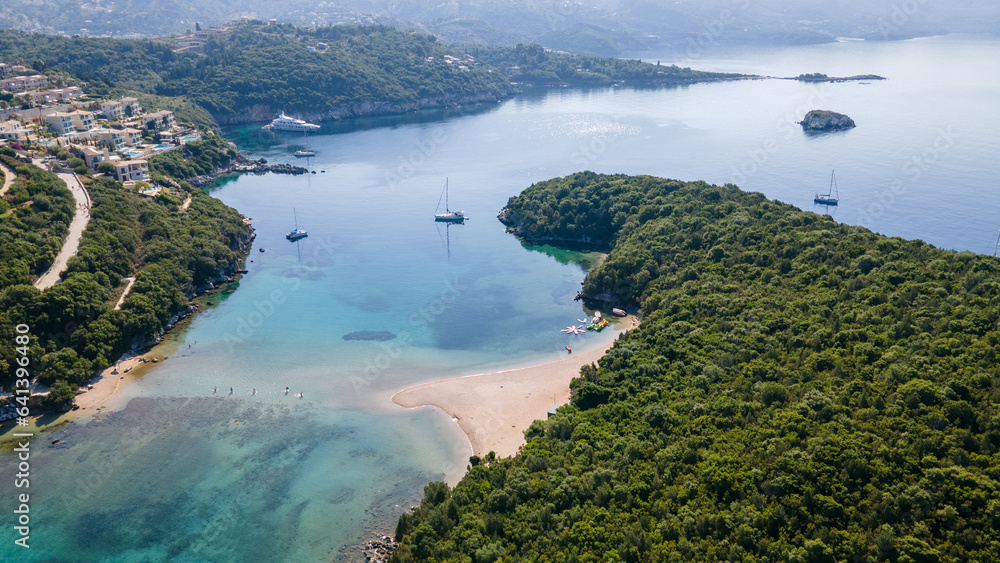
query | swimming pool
[162, 147]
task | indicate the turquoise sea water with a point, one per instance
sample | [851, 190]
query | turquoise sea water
[181, 473]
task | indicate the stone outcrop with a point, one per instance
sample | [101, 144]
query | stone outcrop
[822, 120]
[379, 550]
[241, 164]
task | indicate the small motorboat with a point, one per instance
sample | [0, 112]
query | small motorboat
[618, 312]
[301, 154]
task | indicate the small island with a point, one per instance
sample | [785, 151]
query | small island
[820, 77]
[819, 120]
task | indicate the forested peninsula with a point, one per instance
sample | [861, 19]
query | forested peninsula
[532, 64]
[251, 72]
[799, 390]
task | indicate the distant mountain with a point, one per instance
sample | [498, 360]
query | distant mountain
[607, 26]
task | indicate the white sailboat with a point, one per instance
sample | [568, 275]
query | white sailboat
[449, 215]
[297, 233]
[829, 198]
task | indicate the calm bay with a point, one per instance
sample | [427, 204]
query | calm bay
[179, 472]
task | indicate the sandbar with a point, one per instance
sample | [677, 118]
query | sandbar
[494, 409]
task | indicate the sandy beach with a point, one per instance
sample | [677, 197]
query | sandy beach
[105, 388]
[494, 409]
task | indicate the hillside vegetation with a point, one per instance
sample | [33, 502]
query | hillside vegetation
[193, 159]
[253, 71]
[74, 327]
[270, 69]
[533, 64]
[799, 390]
[35, 214]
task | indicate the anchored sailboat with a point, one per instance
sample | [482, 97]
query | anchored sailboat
[297, 233]
[449, 215]
[829, 198]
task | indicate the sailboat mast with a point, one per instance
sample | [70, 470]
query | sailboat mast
[446, 208]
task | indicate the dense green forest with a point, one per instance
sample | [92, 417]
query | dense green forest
[75, 329]
[533, 64]
[799, 390]
[35, 214]
[270, 66]
[259, 65]
[254, 71]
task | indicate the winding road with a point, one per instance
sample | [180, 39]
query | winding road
[76, 227]
[8, 178]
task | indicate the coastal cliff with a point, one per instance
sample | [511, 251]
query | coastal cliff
[823, 120]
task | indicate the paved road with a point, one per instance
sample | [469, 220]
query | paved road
[8, 178]
[76, 227]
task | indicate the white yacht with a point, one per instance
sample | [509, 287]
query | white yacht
[287, 123]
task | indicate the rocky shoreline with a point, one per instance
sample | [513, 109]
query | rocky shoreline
[378, 550]
[583, 244]
[243, 164]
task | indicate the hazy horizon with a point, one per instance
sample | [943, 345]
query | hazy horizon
[603, 26]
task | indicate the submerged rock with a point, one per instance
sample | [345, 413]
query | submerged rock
[823, 120]
[378, 335]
